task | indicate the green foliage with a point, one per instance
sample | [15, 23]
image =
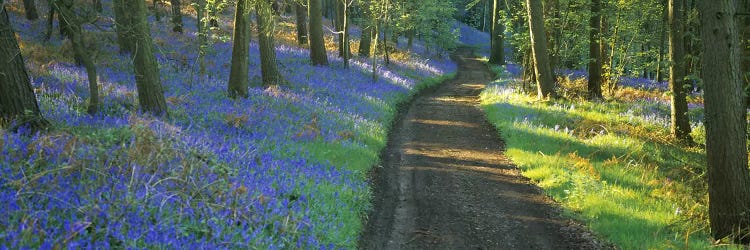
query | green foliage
[622, 174]
[432, 21]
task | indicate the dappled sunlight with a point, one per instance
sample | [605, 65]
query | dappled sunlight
[284, 167]
[615, 170]
[445, 123]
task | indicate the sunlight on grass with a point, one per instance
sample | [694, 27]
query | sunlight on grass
[284, 168]
[620, 174]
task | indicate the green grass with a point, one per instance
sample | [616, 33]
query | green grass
[359, 156]
[622, 176]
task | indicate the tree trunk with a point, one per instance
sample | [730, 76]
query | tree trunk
[552, 12]
[662, 38]
[329, 8]
[264, 16]
[50, 22]
[74, 30]
[317, 44]
[202, 27]
[745, 29]
[604, 50]
[301, 13]
[17, 100]
[176, 16]
[238, 76]
[726, 139]
[98, 7]
[342, 17]
[690, 52]
[29, 7]
[497, 28]
[365, 39]
[680, 127]
[386, 26]
[410, 38]
[595, 58]
[545, 79]
[123, 22]
[148, 82]
[342, 29]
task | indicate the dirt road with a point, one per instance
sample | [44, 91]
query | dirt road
[445, 183]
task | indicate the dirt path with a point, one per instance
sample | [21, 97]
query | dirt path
[446, 184]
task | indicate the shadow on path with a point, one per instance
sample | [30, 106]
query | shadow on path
[445, 183]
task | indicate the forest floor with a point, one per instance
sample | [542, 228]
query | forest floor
[445, 182]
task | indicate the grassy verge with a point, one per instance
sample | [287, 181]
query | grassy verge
[608, 164]
[282, 169]
[358, 158]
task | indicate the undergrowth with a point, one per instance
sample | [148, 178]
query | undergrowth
[611, 164]
[282, 169]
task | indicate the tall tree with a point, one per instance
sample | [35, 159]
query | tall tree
[726, 138]
[73, 24]
[365, 40]
[266, 23]
[98, 7]
[238, 76]
[595, 60]
[342, 28]
[385, 25]
[662, 37]
[29, 7]
[147, 80]
[680, 126]
[203, 29]
[317, 44]
[300, 12]
[497, 29]
[367, 25]
[123, 20]
[17, 100]
[545, 79]
[176, 16]
[745, 31]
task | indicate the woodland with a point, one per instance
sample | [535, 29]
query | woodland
[258, 124]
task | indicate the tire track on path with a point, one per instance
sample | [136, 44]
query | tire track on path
[446, 184]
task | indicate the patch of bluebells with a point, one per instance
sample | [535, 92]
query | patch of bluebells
[218, 174]
[473, 37]
[623, 81]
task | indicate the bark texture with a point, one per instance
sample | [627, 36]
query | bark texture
[365, 41]
[542, 69]
[17, 100]
[301, 13]
[497, 28]
[680, 127]
[595, 57]
[317, 44]
[150, 92]
[98, 6]
[176, 16]
[269, 70]
[29, 8]
[726, 149]
[342, 29]
[238, 76]
[123, 21]
[203, 29]
[75, 32]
